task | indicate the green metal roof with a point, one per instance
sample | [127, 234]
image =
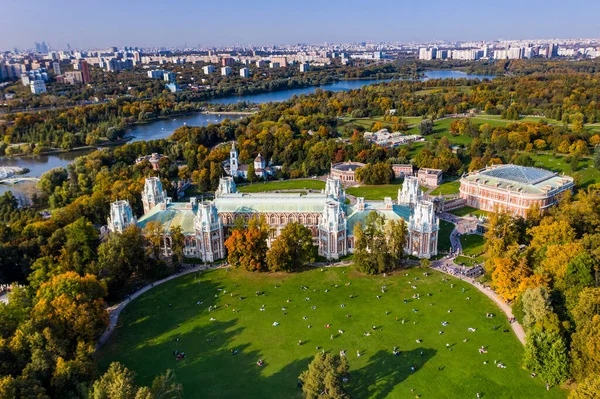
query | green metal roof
[270, 202]
[177, 214]
[355, 216]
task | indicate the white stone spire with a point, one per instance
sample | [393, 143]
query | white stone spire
[334, 189]
[121, 216]
[410, 194]
[153, 194]
[226, 186]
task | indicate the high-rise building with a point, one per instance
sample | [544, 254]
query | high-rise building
[169, 77]
[208, 69]
[427, 54]
[227, 61]
[245, 73]
[37, 86]
[304, 67]
[226, 71]
[85, 72]
[56, 68]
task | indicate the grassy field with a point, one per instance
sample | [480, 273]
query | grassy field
[585, 175]
[444, 235]
[174, 316]
[472, 244]
[449, 187]
[296, 185]
[468, 211]
[469, 262]
[376, 192]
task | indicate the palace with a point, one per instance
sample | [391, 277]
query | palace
[513, 188]
[331, 220]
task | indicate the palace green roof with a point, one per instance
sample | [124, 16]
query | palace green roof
[355, 216]
[270, 202]
[176, 214]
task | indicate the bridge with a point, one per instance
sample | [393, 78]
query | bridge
[15, 180]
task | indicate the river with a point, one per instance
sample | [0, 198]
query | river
[165, 127]
[343, 85]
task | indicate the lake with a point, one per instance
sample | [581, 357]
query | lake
[165, 127]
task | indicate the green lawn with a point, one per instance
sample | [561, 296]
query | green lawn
[150, 330]
[585, 175]
[376, 192]
[449, 187]
[472, 244]
[468, 211]
[444, 236]
[469, 262]
[299, 185]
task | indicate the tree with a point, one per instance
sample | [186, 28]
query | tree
[323, 379]
[153, 233]
[52, 179]
[165, 387]
[292, 249]
[119, 383]
[72, 307]
[425, 127]
[379, 247]
[251, 174]
[177, 244]
[546, 355]
[536, 306]
[121, 255]
[597, 157]
[248, 248]
[79, 251]
[379, 173]
[585, 348]
[116, 383]
[587, 389]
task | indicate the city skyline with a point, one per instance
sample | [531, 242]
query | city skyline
[265, 23]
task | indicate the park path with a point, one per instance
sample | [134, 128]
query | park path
[517, 328]
[115, 311]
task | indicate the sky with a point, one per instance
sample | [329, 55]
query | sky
[169, 23]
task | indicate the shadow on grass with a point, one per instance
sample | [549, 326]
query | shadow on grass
[385, 371]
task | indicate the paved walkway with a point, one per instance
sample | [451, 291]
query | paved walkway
[517, 328]
[115, 311]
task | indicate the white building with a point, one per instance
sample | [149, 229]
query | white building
[423, 229]
[304, 67]
[121, 216]
[153, 194]
[226, 71]
[410, 194]
[208, 69]
[245, 72]
[37, 86]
